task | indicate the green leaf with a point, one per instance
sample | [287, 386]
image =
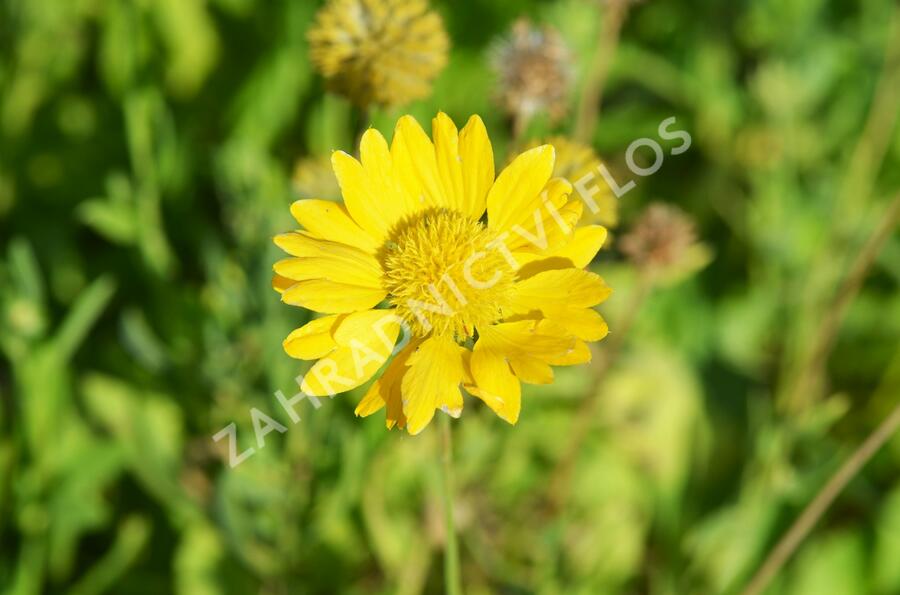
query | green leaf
[82, 316]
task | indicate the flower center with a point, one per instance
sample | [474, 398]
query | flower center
[445, 275]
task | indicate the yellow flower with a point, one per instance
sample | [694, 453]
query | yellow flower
[386, 52]
[574, 161]
[480, 280]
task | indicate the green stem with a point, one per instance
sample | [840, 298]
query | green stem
[452, 582]
[808, 384]
[592, 92]
[791, 540]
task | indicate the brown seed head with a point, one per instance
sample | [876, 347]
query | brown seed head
[660, 239]
[533, 69]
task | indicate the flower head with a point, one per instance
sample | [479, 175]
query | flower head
[385, 52]
[574, 161]
[662, 237]
[462, 279]
[533, 68]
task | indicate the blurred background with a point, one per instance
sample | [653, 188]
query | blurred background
[150, 149]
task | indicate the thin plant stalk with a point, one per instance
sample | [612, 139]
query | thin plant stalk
[592, 92]
[452, 579]
[817, 507]
[519, 125]
[800, 387]
[873, 145]
[811, 373]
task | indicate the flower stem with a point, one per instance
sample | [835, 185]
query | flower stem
[815, 509]
[519, 124]
[802, 380]
[592, 93]
[452, 582]
[808, 384]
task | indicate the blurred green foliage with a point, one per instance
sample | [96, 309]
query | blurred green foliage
[146, 150]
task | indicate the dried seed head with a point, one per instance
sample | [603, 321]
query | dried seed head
[661, 238]
[533, 69]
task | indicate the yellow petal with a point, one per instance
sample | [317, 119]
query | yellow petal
[304, 243]
[373, 401]
[584, 323]
[432, 379]
[517, 192]
[453, 404]
[584, 246]
[386, 391]
[329, 297]
[385, 324]
[393, 200]
[565, 297]
[362, 204]
[364, 341]
[331, 221]
[531, 370]
[415, 164]
[495, 384]
[446, 147]
[572, 211]
[281, 284]
[336, 373]
[578, 252]
[526, 346]
[299, 243]
[527, 337]
[512, 351]
[322, 259]
[334, 268]
[579, 354]
[312, 340]
[574, 288]
[477, 158]
[549, 225]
